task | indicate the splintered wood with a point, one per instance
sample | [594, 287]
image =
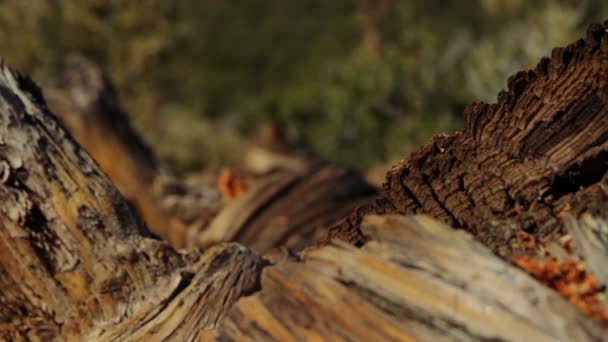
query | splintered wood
[75, 261]
[417, 279]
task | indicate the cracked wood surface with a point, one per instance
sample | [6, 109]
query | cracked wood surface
[75, 262]
[416, 280]
[517, 164]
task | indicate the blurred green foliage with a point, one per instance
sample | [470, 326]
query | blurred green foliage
[198, 75]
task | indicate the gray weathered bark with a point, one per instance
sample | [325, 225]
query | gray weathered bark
[416, 280]
[75, 262]
[590, 236]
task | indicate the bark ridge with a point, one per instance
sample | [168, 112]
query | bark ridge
[541, 150]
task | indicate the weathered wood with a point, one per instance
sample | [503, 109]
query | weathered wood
[287, 208]
[590, 237]
[75, 262]
[87, 105]
[540, 150]
[417, 279]
[300, 195]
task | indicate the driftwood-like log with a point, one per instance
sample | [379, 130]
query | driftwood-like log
[88, 106]
[75, 262]
[541, 150]
[416, 280]
[287, 208]
[290, 206]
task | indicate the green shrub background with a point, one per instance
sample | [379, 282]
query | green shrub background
[197, 77]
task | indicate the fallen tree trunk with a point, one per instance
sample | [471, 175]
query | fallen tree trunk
[291, 200]
[541, 150]
[87, 104]
[417, 280]
[75, 262]
[287, 209]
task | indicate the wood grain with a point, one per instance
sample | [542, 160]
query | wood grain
[417, 279]
[75, 261]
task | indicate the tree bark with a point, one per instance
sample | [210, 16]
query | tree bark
[87, 104]
[75, 262]
[517, 165]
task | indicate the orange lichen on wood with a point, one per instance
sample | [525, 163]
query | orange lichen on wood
[230, 184]
[571, 280]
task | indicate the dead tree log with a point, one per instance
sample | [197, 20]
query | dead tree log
[541, 150]
[287, 208]
[75, 262]
[87, 104]
[417, 280]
